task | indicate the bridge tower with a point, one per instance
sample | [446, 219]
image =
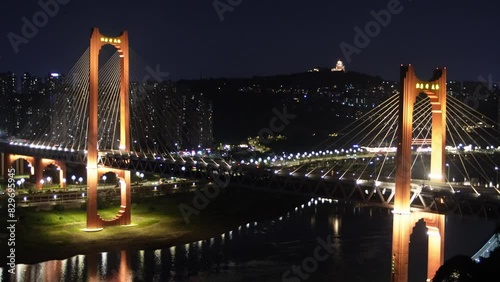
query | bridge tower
[404, 220]
[97, 41]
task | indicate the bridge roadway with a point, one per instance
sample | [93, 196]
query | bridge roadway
[431, 197]
[443, 198]
[192, 167]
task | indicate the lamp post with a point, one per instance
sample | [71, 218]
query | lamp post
[80, 180]
[73, 178]
[448, 172]
[496, 169]
[104, 180]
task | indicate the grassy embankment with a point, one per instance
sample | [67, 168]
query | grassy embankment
[157, 222]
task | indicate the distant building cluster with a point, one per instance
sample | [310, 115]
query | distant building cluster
[33, 106]
[21, 102]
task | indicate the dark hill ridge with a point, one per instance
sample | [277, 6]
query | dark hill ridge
[304, 80]
[244, 107]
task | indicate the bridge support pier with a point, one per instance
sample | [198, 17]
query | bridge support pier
[40, 165]
[436, 234]
[62, 175]
[7, 161]
[402, 229]
[38, 168]
[93, 221]
[401, 232]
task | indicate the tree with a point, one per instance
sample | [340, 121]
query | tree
[459, 268]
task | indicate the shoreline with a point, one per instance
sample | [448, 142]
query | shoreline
[167, 230]
[35, 257]
[40, 256]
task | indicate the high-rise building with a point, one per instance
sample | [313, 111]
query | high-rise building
[8, 87]
[454, 88]
[30, 109]
[163, 117]
[59, 106]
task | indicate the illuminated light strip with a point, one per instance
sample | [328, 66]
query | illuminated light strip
[401, 212]
[110, 40]
[427, 86]
[435, 176]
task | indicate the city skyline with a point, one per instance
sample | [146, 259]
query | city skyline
[244, 39]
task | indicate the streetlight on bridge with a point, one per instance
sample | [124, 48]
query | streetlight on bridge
[448, 172]
[73, 178]
[104, 179]
[496, 169]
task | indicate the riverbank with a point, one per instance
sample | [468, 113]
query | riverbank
[157, 222]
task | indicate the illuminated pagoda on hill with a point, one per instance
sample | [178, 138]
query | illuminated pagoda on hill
[339, 66]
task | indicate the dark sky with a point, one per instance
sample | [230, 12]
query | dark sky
[262, 37]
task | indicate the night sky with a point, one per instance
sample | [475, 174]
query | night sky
[262, 37]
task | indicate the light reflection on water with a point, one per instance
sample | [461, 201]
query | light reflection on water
[360, 238]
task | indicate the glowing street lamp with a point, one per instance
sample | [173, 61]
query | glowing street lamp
[80, 179]
[448, 172]
[104, 179]
[73, 178]
[496, 169]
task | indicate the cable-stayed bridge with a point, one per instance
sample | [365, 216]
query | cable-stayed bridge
[360, 158]
[420, 153]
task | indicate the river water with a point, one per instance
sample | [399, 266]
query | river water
[318, 241]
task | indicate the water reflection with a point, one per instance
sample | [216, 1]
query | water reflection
[360, 239]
